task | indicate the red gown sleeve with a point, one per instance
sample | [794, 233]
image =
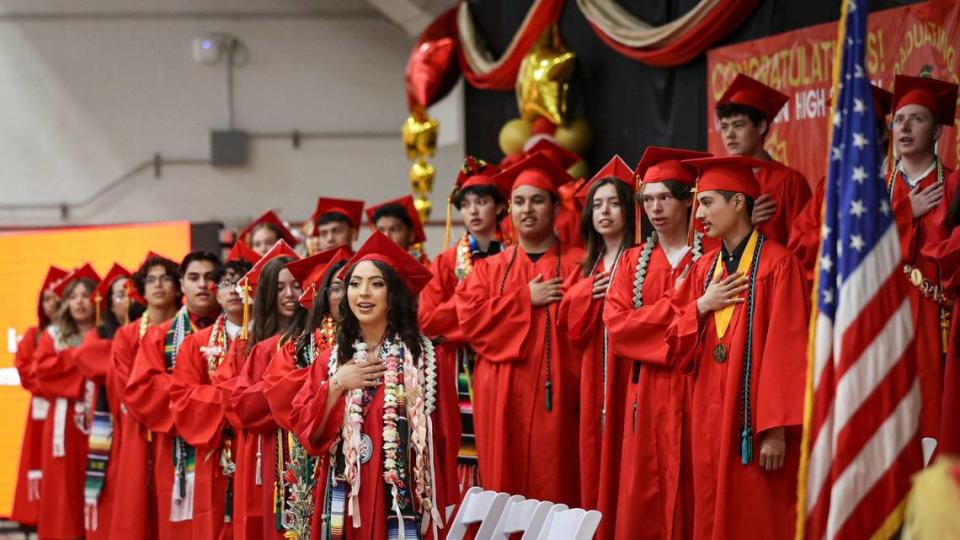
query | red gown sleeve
[147, 393]
[637, 334]
[685, 332]
[225, 379]
[438, 306]
[247, 399]
[485, 314]
[281, 382]
[783, 369]
[196, 403]
[805, 233]
[56, 373]
[308, 408]
[943, 242]
[93, 357]
[23, 359]
[580, 314]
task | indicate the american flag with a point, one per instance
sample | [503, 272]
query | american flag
[861, 441]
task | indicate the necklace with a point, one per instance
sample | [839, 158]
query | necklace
[891, 182]
[216, 347]
[548, 384]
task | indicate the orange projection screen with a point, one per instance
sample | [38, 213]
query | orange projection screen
[24, 258]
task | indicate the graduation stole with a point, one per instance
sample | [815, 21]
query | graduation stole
[750, 255]
[184, 455]
[100, 435]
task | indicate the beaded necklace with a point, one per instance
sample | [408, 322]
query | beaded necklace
[548, 385]
[891, 182]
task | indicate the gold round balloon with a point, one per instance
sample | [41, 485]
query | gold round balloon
[420, 136]
[421, 177]
[542, 78]
[513, 135]
[423, 206]
[574, 137]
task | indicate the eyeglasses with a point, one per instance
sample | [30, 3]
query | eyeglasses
[335, 288]
[119, 296]
[227, 284]
[153, 280]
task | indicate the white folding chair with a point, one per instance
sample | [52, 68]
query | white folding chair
[526, 516]
[570, 524]
[478, 506]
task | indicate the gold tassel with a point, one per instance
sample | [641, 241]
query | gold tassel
[448, 226]
[97, 300]
[246, 310]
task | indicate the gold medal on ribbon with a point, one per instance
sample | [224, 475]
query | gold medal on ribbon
[720, 353]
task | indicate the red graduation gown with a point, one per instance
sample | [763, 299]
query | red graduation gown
[26, 495]
[147, 395]
[309, 406]
[928, 338]
[732, 500]
[136, 515]
[93, 361]
[523, 448]
[198, 412]
[253, 411]
[61, 495]
[654, 498]
[943, 246]
[805, 234]
[247, 493]
[790, 190]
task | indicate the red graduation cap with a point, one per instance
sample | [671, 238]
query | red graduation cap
[615, 168]
[536, 170]
[350, 209]
[728, 173]
[280, 249]
[476, 172]
[53, 278]
[380, 248]
[660, 163]
[556, 153]
[154, 255]
[405, 202]
[939, 97]
[753, 93]
[882, 101]
[310, 271]
[85, 271]
[241, 251]
[271, 217]
[116, 272]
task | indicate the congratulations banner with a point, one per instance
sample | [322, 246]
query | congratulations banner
[918, 40]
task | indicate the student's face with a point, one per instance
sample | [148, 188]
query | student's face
[288, 294]
[533, 212]
[196, 286]
[479, 213]
[81, 305]
[740, 136]
[50, 303]
[914, 130]
[608, 217]
[367, 293]
[334, 295]
[159, 288]
[262, 239]
[396, 230]
[118, 295]
[227, 295]
[665, 212]
[717, 214]
[333, 234]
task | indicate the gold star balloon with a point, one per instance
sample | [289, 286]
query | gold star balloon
[542, 79]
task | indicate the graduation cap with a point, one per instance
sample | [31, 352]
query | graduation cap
[54, 276]
[84, 272]
[474, 172]
[248, 283]
[556, 153]
[405, 202]
[750, 92]
[660, 163]
[310, 271]
[380, 248]
[536, 170]
[615, 168]
[270, 218]
[241, 251]
[152, 255]
[103, 289]
[939, 97]
[350, 209]
[728, 173]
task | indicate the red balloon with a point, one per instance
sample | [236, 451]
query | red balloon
[433, 68]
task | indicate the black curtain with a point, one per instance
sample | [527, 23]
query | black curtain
[629, 105]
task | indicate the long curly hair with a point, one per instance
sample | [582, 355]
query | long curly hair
[319, 309]
[67, 326]
[266, 319]
[401, 316]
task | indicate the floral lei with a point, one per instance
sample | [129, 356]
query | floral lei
[410, 397]
[328, 331]
[216, 347]
[641, 273]
[464, 263]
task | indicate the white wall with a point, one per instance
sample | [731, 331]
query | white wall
[90, 89]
